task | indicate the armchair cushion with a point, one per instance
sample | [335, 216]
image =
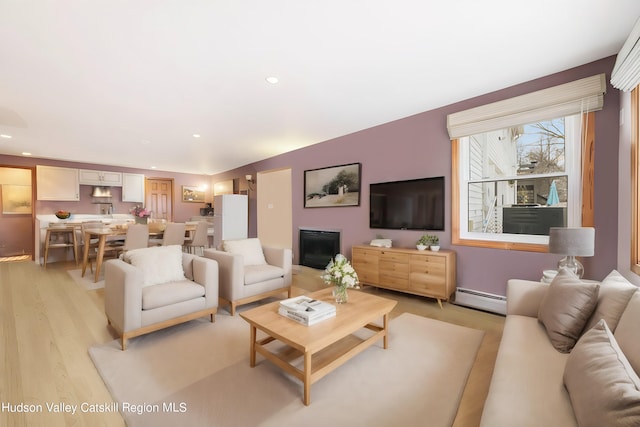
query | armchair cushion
[261, 273]
[170, 293]
[250, 249]
[159, 264]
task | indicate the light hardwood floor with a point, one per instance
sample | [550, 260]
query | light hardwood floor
[47, 323]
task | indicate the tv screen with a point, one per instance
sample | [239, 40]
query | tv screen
[416, 204]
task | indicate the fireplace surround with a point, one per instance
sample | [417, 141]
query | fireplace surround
[318, 247]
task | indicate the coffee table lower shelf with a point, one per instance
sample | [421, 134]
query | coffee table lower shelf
[316, 365]
[323, 346]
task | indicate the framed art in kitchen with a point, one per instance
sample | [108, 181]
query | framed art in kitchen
[332, 186]
[16, 199]
[192, 194]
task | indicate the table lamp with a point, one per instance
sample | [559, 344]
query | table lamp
[572, 242]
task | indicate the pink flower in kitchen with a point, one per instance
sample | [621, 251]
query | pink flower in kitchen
[141, 212]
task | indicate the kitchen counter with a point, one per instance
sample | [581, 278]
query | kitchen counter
[76, 220]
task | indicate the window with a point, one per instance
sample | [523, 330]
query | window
[515, 183]
[523, 165]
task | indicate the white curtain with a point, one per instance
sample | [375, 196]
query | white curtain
[626, 71]
[580, 96]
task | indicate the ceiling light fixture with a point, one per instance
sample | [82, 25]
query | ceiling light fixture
[26, 153]
[4, 135]
[196, 135]
[273, 80]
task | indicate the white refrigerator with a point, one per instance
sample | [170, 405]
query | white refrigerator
[230, 218]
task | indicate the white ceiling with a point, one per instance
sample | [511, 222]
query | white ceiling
[128, 82]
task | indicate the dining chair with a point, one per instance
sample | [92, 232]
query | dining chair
[174, 234]
[109, 250]
[200, 238]
[137, 237]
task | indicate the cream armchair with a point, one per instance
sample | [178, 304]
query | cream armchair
[157, 287]
[250, 272]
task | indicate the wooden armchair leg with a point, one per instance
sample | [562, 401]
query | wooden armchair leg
[123, 341]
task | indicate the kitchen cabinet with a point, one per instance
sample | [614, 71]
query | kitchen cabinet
[56, 183]
[101, 178]
[426, 273]
[132, 187]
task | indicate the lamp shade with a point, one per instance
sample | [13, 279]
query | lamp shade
[573, 241]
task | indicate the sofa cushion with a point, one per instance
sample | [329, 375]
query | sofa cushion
[260, 273]
[526, 387]
[627, 331]
[566, 308]
[604, 389]
[615, 292]
[250, 249]
[170, 293]
[159, 264]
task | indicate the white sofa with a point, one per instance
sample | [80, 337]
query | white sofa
[595, 383]
[153, 288]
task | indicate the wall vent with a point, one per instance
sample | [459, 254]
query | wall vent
[481, 300]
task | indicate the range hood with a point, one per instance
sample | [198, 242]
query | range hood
[101, 192]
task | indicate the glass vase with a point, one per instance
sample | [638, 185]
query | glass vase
[340, 294]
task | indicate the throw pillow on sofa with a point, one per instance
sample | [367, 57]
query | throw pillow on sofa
[602, 385]
[566, 308]
[613, 297]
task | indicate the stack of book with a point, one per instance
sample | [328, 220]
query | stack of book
[305, 310]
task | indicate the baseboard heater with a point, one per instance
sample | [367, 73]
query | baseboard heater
[481, 300]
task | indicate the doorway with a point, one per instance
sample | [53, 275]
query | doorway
[16, 213]
[274, 210]
[159, 198]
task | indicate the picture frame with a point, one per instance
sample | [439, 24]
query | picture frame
[16, 199]
[333, 186]
[192, 194]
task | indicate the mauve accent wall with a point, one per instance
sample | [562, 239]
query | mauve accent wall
[419, 146]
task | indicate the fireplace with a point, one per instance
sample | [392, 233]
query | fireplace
[317, 247]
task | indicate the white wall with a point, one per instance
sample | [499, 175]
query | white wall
[624, 191]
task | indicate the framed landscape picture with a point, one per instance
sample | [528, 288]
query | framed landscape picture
[192, 194]
[16, 199]
[333, 186]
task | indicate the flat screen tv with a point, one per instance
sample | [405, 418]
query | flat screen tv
[416, 204]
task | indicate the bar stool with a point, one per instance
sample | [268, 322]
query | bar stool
[60, 237]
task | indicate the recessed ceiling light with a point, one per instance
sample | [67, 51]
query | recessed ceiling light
[25, 153]
[196, 135]
[273, 80]
[153, 167]
[4, 135]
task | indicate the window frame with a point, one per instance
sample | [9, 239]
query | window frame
[587, 146]
[635, 180]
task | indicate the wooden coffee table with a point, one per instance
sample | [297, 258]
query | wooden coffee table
[325, 345]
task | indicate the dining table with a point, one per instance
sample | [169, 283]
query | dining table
[102, 233]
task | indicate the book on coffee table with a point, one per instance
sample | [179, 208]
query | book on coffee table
[305, 310]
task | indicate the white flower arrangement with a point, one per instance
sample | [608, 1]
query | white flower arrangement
[340, 273]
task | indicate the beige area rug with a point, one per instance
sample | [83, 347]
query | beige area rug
[87, 281]
[198, 374]
[201, 371]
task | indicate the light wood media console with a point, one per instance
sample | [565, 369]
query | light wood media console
[426, 273]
